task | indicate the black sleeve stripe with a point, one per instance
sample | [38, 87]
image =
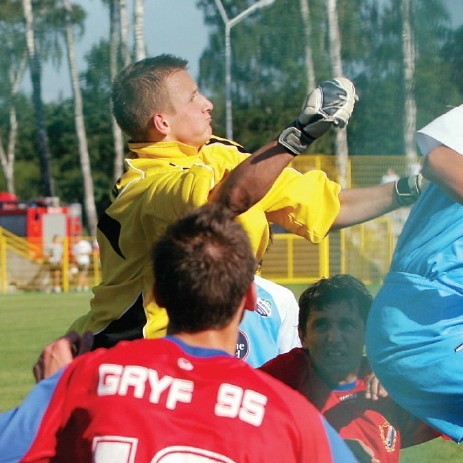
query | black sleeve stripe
[223, 141]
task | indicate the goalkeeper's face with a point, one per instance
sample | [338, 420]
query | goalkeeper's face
[334, 337]
[190, 120]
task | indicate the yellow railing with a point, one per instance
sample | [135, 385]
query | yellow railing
[23, 267]
[364, 250]
[21, 245]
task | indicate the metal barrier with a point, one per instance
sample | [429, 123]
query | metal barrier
[363, 250]
[23, 266]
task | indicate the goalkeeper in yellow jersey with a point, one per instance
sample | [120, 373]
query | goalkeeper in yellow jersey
[176, 164]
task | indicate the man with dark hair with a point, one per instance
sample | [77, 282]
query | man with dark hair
[332, 373]
[183, 397]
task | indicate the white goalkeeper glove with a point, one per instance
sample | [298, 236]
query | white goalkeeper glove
[330, 104]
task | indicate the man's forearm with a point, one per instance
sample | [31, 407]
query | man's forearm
[329, 105]
[359, 205]
[250, 181]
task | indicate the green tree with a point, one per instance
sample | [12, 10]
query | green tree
[13, 59]
[257, 55]
[452, 56]
[269, 76]
[35, 67]
[379, 118]
[70, 14]
[66, 169]
[27, 175]
[269, 65]
[96, 85]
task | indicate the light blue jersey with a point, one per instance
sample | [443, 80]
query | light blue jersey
[415, 328]
[272, 328]
[431, 243]
[19, 426]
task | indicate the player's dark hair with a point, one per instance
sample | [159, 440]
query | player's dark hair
[138, 92]
[203, 266]
[332, 290]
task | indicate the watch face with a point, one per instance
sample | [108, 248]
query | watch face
[403, 193]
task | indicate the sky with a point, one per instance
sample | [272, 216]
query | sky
[171, 26]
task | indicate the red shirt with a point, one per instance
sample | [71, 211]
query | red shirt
[160, 401]
[381, 424]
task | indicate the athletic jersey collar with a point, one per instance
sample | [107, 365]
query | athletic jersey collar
[197, 351]
[163, 149]
[344, 387]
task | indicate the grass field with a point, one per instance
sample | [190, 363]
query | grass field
[29, 321]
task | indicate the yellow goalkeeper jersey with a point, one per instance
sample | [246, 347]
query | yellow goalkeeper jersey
[160, 183]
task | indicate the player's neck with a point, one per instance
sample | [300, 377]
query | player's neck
[223, 339]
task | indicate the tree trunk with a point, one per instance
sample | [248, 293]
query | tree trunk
[305, 14]
[124, 28]
[7, 157]
[43, 145]
[342, 151]
[89, 199]
[114, 42]
[408, 47]
[138, 13]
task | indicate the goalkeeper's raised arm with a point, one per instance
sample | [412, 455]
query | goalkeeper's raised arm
[330, 105]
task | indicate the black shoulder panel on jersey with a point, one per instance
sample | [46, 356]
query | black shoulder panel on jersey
[126, 328]
[111, 228]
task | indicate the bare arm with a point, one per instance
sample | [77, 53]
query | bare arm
[329, 105]
[250, 181]
[361, 204]
[444, 166]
